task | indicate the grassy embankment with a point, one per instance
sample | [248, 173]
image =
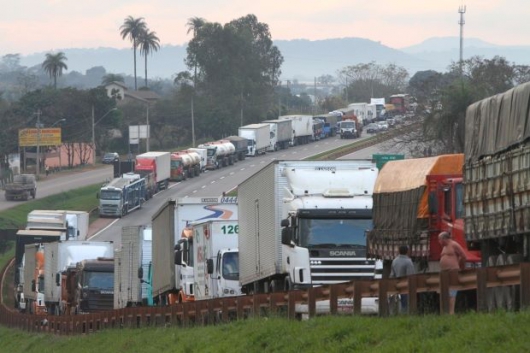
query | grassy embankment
[499, 332]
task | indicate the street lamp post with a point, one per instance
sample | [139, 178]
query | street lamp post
[94, 123]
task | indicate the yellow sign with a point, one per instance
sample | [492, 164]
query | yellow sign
[39, 137]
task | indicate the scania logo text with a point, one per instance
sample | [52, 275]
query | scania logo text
[342, 253]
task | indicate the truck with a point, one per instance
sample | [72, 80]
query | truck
[281, 134]
[240, 145]
[220, 154]
[401, 103]
[318, 129]
[75, 223]
[22, 187]
[173, 241]
[185, 164]
[348, 129]
[123, 167]
[156, 164]
[330, 123]
[497, 160]
[203, 154]
[60, 259]
[258, 137]
[216, 265]
[361, 111]
[30, 294]
[121, 196]
[414, 201]
[89, 286]
[133, 273]
[303, 223]
[302, 126]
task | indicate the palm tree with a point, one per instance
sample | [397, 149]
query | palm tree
[132, 28]
[194, 24]
[109, 78]
[54, 66]
[149, 43]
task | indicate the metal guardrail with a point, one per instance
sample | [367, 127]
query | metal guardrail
[284, 303]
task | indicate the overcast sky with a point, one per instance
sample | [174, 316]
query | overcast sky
[29, 26]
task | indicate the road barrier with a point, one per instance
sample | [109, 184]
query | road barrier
[215, 311]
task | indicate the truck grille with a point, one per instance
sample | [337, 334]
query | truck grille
[325, 270]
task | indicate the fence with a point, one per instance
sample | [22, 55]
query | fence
[215, 311]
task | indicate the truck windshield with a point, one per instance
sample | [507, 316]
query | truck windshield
[333, 232]
[101, 280]
[110, 195]
[459, 202]
[175, 163]
[231, 266]
[347, 124]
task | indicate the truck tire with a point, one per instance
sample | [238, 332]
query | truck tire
[34, 193]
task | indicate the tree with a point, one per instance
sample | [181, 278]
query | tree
[109, 78]
[149, 43]
[194, 24]
[133, 28]
[54, 64]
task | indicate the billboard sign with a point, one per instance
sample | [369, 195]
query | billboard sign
[46, 137]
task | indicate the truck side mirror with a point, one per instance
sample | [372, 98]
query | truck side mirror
[209, 266]
[433, 203]
[178, 257]
[286, 236]
[58, 278]
[140, 272]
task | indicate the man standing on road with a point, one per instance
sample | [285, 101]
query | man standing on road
[402, 266]
[453, 257]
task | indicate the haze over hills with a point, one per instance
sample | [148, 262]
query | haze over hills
[304, 59]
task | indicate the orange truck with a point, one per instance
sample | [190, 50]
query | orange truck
[413, 201]
[185, 164]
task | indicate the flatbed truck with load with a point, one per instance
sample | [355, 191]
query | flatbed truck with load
[22, 187]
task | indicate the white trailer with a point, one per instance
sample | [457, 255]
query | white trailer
[171, 232]
[258, 136]
[302, 223]
[281, 134]
[133, 268]
[216, 267]
[302, 126]
[157, 164]
[203, 154]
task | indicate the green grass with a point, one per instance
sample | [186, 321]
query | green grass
[501, 332]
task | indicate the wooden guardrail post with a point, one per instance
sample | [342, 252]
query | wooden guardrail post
[412, 306]
[444, 291]
[357, 297]
[482, 289]
[383, 297]
[525, 285]
[311, 302]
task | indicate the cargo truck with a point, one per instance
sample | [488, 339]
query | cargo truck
[133, 268]
[240, 145]
[281, 134]
[303, 223]
[60, 258]
[158, 165]
[414, 201]
[172, 234]
[203, 154]
[22, 187]
[75, 222]
[121, 196]
[330, 123]
[258, 137]
[302, 126]
[216, 259]
[219, 154]
[185, 164]
[496, 188]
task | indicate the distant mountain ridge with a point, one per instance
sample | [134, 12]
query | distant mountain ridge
[303, 59]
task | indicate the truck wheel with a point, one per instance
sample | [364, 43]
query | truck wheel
[34, 193]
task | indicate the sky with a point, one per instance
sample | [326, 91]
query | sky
[31, 26]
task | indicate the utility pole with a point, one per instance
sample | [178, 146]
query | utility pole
[39, 127]
[148, 130]
[461, 11]
[280, 100]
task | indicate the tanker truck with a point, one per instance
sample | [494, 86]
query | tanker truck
[185, 164]
[220, 154]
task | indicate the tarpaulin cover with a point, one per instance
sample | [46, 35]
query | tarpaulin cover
[497, 123]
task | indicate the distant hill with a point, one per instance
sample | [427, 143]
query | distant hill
[304, 59]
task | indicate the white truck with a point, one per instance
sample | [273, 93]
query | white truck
[281, 134]
[258, 136]
[59, 257]
[203, 155]
[155, 165]
[75, 222]
[133, 268]
[302, 126]
[216, 265]
[121, 196]
[219, 154]
[361, 111]
[172, 235]
[303, 223]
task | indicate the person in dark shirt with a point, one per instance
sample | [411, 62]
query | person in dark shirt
[402, 266]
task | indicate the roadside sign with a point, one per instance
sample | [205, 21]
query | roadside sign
[46, 137]
[381, 159]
